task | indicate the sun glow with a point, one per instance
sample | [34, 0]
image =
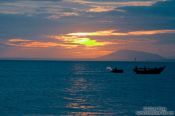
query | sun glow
[88, 42]
[79, 39]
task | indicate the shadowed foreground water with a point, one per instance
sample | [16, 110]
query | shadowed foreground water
[54, 88]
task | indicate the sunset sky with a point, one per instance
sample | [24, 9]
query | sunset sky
[85, 28]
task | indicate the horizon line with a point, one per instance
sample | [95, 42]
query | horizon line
[83, 59]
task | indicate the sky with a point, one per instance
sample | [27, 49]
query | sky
[70, 29]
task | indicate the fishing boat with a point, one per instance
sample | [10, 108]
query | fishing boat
[145, 70]
[115, 70]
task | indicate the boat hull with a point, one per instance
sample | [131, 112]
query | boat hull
[149, 70]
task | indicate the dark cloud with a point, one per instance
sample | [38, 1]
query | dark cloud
[159, 16]
[162, 8]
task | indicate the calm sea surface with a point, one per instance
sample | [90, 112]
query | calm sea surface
[54, 88]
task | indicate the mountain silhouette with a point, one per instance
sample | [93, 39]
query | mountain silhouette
[131, 55]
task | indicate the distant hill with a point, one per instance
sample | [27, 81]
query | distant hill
[130, 55]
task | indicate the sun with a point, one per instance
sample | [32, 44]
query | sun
[88, 42]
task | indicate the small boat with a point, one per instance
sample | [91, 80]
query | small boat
[156, 70]
[115, 70]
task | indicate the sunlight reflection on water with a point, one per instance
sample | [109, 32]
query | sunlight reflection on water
[77, 99]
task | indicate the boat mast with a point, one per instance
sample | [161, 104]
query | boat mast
[135, 59]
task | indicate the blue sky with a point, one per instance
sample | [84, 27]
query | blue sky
[85, 28]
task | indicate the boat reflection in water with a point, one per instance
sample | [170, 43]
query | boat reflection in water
[145, 70]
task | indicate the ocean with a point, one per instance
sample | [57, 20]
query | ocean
[83, 88]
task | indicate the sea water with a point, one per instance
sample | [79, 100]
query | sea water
[81, 88]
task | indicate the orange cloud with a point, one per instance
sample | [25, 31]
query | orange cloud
[98, 33]
[115, 33]
[37, 44]
[72, 40]
[119, 4]
[110, 6]
[105, 6]
[101, 8]
[66, 42]
[150, 32]
[85, 38]
[30, 43]
[76, 39]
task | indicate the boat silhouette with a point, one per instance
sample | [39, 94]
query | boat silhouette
[145, 70]
[115, 70]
